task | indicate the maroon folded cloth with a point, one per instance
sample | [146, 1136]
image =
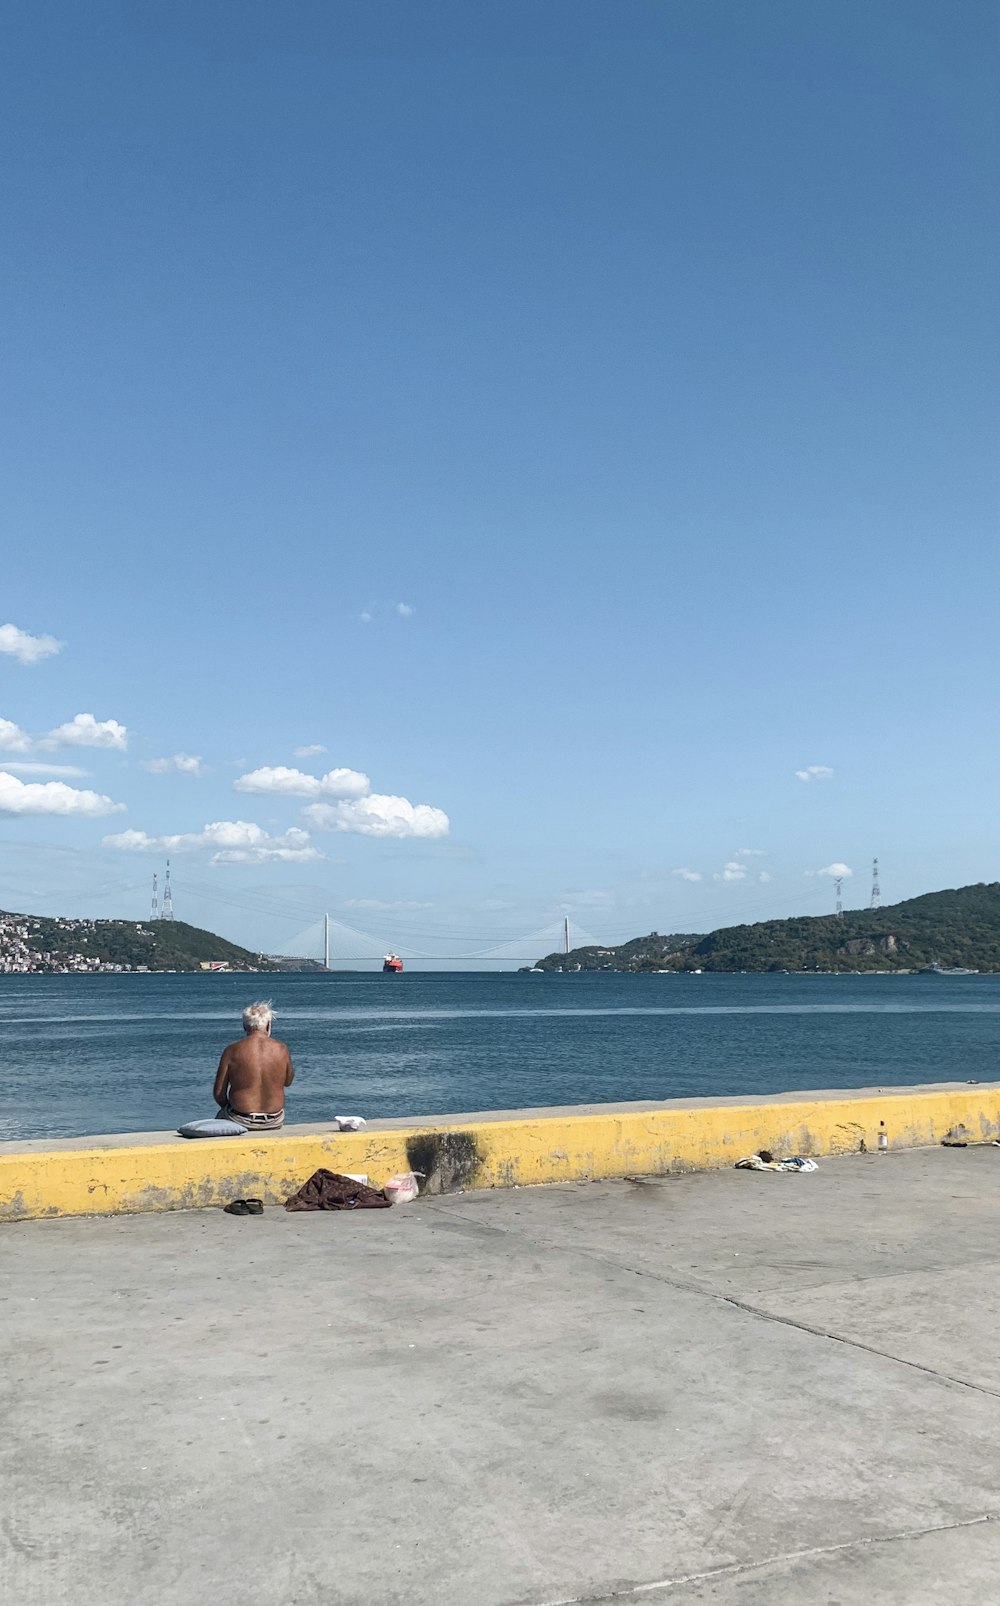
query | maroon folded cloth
[328, 1190]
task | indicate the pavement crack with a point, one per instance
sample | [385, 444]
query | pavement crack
[856, 1343]
[739, 1569]
[732, 1300]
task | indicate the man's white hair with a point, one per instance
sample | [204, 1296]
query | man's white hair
[258, 1017]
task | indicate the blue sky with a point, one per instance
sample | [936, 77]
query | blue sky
[575, 417]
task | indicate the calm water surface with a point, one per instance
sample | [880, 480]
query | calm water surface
[88, 1054]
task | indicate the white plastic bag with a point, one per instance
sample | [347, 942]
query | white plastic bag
[402, 1189]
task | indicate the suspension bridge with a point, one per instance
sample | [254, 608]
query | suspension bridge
[336, 943]
[407, 930]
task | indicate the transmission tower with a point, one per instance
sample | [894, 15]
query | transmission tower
[154, 908]
[838, 886]
[876, 889]
[168, 899]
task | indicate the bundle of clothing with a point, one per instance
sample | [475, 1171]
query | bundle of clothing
[765, 1161]
[328, 1190]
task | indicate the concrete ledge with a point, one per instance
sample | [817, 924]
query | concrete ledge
[157, 1171]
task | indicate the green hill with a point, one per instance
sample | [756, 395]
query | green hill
[958, 927]
[30, 943]
[639, 953]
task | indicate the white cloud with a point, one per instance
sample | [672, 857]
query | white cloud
[44, 769]
[688, 875]
[750, 853]
[12, 738]
[133, 842]
[177, 764]
[309, 752]
[838, 871]
[403, 610]
[357, 810]
[83, 730]
[344, 783]
[815, 772]
[294, 847]
[278, 778]
[235, 842]
[27, 649]
[733, 871]
[379, 815]
[763, 876]
[51, 797]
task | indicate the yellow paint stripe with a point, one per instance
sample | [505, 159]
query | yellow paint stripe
[105, 1175]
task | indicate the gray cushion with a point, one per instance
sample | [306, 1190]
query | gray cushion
[215, 1128]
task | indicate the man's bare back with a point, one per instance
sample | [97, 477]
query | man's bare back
[253, 1073]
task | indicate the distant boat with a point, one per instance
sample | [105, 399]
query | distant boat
[945, 970]
[392, 964]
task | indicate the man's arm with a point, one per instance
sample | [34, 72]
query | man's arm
[221, 1088]
[289, 1069]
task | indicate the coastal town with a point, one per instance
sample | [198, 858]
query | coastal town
[63, 945]
[22, 953]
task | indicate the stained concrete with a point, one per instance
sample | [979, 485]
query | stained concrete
[729, 1388]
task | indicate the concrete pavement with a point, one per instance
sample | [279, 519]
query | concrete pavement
[730, 1387]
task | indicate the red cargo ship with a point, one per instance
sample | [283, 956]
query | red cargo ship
[392, 963]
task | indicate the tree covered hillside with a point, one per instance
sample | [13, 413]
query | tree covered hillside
[958, 927]
[639, 953]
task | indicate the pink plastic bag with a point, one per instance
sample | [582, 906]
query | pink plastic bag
[404, 1188]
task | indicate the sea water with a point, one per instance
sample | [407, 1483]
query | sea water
[90, 1054]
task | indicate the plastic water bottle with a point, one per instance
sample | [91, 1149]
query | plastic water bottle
[883, 1139]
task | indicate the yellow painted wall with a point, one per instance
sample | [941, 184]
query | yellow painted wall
[533, 1146]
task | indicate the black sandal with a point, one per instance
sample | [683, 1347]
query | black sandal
[244, 1207]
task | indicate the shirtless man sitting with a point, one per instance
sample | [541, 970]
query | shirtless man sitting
[253, 1074]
